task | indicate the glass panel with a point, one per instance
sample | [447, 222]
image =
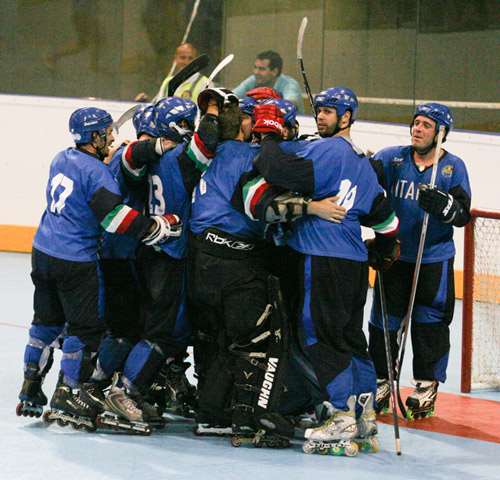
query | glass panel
[397, 49]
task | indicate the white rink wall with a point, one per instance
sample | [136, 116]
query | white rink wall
[34, 129]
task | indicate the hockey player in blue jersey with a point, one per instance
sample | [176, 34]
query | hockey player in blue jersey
[171, 177]
[406, 173]
[235, 312]
[333, 264]
[82, 199]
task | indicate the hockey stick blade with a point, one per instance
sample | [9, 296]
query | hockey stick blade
[300, 38]
[223, 63]
[199, 63]
[300, 41]
[124, 117]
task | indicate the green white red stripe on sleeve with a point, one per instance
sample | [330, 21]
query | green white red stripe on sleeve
[389, 227]
[129, 167]
[119, 219]
[252, 193]
[199, 153]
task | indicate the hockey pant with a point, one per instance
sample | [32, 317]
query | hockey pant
[67, 295]
[333, 294]
[166, 331]
[228, 312]
[431, 317]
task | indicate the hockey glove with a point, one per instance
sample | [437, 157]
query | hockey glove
[268, 119]
[382, 252]
[166, 226]
[262, 93]
[438, 203]
[222, 96]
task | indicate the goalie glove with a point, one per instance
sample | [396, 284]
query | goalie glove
[286, 208]
[222, 96]
[382, 252]
[166, 226]
[262, 93]
[438, 203]
[268, 119]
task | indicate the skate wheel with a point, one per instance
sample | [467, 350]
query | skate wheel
[351, 449]
[76, 426]
[19, 409]
[61, 422]
[308, 448]
[410, 415]
[235, 441]
[38, 414]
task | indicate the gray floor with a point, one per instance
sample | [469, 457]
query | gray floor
[29, 450]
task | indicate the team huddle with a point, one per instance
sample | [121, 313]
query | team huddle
[237, 237]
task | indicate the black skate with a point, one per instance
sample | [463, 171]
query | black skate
[208, 425]
[68, 408]
[32, 399]
[270, 430]
[150, 413]
[258, 438]
[382, 399]
[172, 393]
[421, 402]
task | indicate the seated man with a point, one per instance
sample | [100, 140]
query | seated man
[190, 89]
[267, 73]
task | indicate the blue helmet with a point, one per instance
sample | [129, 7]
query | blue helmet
[438, 112]
[288, 109]
[86, 120]
[247, 105]
[143, 120]
[169, 112]
[340, 98]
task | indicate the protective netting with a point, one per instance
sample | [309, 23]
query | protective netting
[486, 304]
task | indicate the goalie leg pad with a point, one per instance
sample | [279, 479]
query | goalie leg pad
[261, 363]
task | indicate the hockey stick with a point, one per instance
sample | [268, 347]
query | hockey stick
[199, 63]
[403, 330]
[388, 356]
[184, 38]
[300, 41]
[225, 61]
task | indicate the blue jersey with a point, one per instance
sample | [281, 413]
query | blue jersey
[69, 229]
[122, 246]
[212, 197]
[402, 178]
[168, 194]
[338, 170]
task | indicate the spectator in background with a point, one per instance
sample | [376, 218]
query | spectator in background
[267, 73]
[184, 54]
